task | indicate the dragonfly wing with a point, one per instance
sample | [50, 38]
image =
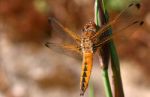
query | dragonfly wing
[116, 21]
[62, 40]
[134, 25]
[120, 24]
[66, 49]
[60, 28]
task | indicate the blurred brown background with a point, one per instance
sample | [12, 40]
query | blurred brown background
[29, 69]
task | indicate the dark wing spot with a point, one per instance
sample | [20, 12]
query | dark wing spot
[142, 22]
[47, 44]
[138, 5]
[130, 5]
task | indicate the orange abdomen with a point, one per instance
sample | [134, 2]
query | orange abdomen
[86, 71]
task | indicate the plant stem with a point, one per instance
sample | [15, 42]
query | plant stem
[115, 65]
[106, 83]
[100, 19]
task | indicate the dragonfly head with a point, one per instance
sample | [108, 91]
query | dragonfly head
[90, 27]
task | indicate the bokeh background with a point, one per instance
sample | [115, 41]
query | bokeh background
[29, 69]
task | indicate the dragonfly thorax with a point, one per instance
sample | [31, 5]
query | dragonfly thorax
[86, 45]
[86, 42]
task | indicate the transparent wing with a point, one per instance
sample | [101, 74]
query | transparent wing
[124, 24]
[66, 41]
[118, 19]
[66, 49]
[62, 40]
[134, 26]
[58, 28]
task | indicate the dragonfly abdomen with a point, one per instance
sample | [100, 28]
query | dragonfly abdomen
[86, 71]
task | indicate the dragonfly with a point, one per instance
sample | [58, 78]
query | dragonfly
[87, 44]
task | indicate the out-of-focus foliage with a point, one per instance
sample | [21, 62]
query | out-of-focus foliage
[41, 5]
[118, 4]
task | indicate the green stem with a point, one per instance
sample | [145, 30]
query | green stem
[99, 22]
[106, 83]
[115, 65]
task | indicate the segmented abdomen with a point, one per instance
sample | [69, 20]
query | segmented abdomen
[86, 71]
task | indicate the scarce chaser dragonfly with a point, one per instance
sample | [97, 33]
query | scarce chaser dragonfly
[88, 42]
